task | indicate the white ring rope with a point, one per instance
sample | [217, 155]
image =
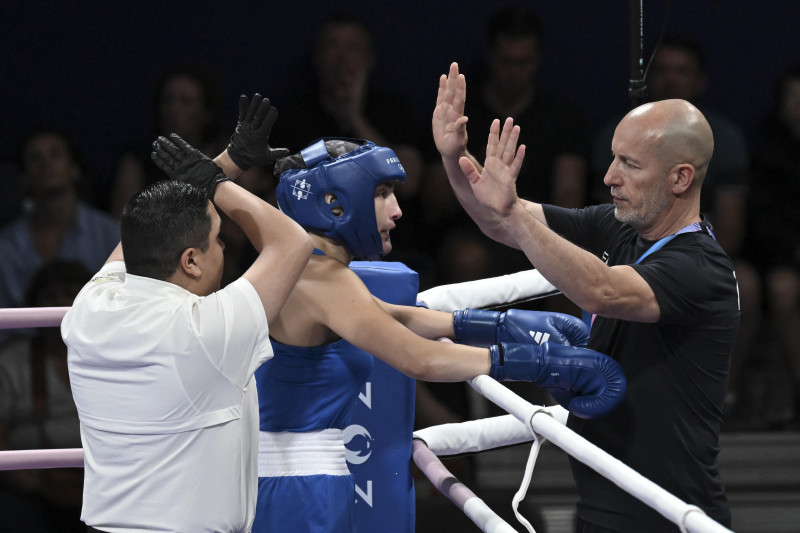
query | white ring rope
[490, 292]
[37, 317]
[544, 424]
[56, 458]
[31, 317]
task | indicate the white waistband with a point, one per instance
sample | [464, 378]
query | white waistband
[302, 454]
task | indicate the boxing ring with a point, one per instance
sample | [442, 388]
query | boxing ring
[524, 423]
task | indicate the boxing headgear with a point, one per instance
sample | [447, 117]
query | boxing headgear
[350, 170]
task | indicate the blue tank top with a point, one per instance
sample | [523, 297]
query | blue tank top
[311, 388]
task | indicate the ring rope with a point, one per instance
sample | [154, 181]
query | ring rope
[34, 459]
[466, 500]
[542, 423]
[31, 317]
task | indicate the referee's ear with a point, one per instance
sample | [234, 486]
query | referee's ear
[683, 175]
[188, 265]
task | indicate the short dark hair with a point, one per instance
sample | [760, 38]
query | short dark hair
[686, 44]
[72, 147]
[159, 223]
[211, 89]
[337, 20]
[515, 22]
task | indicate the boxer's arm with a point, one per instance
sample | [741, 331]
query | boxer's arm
[346, 306]
[424, 322]
[478, 327]
[283, 246]
[588, 382]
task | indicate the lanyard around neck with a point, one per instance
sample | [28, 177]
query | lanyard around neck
[659, 244]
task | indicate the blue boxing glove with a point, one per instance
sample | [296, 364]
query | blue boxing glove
[587, 383]
[478, 327]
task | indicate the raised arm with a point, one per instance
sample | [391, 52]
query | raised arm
[618, 292]
[450, 135]
[283, 246]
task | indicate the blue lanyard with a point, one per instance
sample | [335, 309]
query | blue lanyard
[656, 246]
[659, 244]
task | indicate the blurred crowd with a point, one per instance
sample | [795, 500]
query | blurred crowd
[55, 233]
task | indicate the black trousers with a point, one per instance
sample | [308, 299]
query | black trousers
[586, 527]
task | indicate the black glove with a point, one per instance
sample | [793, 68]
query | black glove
[249, 144]
[182, 162]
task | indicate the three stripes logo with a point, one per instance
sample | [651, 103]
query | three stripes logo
[539, 337]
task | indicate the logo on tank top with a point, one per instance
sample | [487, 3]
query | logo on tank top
[301, 189]
[358, 444]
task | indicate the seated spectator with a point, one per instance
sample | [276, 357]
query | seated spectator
[55, 223]
[774, 238]
[552, 130]
[344, 102]
[188, 102]
[37, 411]
[11, 199]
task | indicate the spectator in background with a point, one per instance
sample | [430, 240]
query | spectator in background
[11, 199]
[55, 223]
[678, 70]
[37, 411]
[188, 102]
[343, 102]
[774, 221]
[553, 130]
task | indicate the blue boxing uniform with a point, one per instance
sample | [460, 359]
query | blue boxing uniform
[306, 396]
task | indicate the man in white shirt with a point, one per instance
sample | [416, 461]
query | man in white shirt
[161, 360]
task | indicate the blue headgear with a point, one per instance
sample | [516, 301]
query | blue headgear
[351, 178]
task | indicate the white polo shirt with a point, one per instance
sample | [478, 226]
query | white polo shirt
[163, 382]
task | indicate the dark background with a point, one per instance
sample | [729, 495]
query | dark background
[91, 68]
